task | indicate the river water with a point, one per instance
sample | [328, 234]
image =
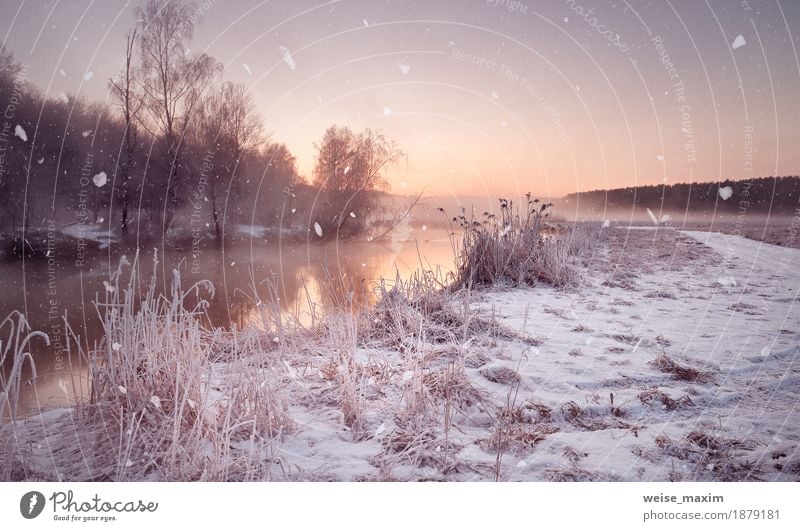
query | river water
[297, 275]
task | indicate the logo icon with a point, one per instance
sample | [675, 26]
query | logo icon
[31, 504]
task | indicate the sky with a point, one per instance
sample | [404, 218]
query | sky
[485, 97]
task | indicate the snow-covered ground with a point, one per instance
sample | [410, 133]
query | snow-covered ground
[676, 360]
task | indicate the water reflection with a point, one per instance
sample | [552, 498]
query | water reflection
[248, 278]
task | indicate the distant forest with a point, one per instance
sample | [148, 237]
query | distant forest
[773, 195]
[175, 154]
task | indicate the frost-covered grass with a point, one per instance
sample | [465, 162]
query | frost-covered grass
[512, 248]
[435, 381]
[169, 399]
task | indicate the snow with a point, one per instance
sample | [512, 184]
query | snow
[287, 57]
[100, 179]
[701, 330]
[20, 133]
[595, 348]
[580, 367]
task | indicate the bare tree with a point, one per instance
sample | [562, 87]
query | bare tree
[349, 171]
[130, 101]
[173, 82]
[229, 128]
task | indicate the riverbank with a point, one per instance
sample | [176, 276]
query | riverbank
[674, 358]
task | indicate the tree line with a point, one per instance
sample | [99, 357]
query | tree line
[176, 153]
[774, 195]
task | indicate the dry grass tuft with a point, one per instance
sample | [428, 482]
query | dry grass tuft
[573, 414]
[654, 394]
[452, 384]
[500, 374]
[513, 248]
[680, 372]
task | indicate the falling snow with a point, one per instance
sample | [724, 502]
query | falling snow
[20, 133]
[287, 57]
[100, 179]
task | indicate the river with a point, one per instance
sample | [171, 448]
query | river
[296, 274]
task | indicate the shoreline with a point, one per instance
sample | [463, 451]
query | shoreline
[649, 370]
